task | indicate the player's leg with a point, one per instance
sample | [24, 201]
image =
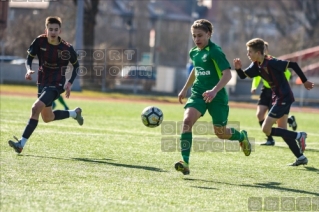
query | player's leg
[219, 111]
[264, 105]
[194, 109]
[289, 137]
[61, 100]
[292, 122]
[36, 109]
[48, 115]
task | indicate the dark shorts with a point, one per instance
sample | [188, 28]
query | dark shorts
[265, 97]
[278, 111]
[48, 94]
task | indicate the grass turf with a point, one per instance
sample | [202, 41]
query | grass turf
[114, 163]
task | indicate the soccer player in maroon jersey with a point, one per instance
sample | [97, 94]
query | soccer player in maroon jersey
[272, 70]
[54, 55]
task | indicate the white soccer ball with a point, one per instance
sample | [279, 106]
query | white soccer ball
[152, 116]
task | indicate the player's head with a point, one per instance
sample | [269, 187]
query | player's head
[255, 48]
[266, 51]
[53, 27]
[201, 31]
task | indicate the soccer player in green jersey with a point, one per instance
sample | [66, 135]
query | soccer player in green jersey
[208, 78]
[265, 103]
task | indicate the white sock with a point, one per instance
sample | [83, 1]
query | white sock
[301, 157]
[298, 135]
[23, 141]
[72, 113]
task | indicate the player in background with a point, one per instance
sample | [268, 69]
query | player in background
[61, 100]
[208, 78]
[265, 101]
[272, 70]
[54, 54]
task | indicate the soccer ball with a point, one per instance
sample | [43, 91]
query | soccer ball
[152, 116]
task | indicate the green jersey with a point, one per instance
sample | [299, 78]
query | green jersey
[208, 64]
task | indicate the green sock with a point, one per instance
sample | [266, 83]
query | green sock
[236, 135]
[61, 100]
[186, 145]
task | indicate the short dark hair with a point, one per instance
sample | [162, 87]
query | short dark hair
[53, 20]
[203, 24]
[257, 44]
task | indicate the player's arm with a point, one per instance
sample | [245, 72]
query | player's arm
[75, 63]
[189, 82]
[255, 83]
[32, 51]
[293, 65]
[251, 71]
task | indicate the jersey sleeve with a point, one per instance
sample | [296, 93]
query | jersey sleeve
[255, 82]
[34, 48]
[219, 59]
[279, 65]
[252, 71]
[73, 56]
[287, 74]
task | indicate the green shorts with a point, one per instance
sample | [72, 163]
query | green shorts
[218, 109]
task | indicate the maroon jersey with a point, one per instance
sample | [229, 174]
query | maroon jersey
[53, 60]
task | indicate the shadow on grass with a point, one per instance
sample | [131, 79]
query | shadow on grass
[312, 169]
[149, 168]
[102, 161]
[285, 147]
[203, 187]
[268, 185]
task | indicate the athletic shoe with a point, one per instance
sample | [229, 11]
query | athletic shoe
[16, 145]
[300, 162]
[269, 142]
[293, 123]
[302, 141]
[182, 167]
[79, 117]
[245, 145]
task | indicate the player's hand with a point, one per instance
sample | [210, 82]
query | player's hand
[67, 89]
[182, 95]
[237, 63]
[28, 75]
[309, 85]
[253, 91]
[209, 95]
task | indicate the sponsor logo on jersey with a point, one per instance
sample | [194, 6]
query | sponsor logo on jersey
[204, 58]
[201, 72]
[43, 49]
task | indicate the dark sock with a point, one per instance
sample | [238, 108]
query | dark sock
[289, 120]
[61, 114]
[32, 124]
[283, 133]
[269, 137]
[293, 146]
[186, 145]
[261, 122]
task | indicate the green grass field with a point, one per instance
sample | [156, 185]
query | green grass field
[114, 163]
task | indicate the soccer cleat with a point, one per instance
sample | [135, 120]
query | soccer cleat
[300, 162]
[302, 141]
[181, 166]
[293, 123]
[269, 142]
[79, 117]
[245, 144]
[16, 145]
